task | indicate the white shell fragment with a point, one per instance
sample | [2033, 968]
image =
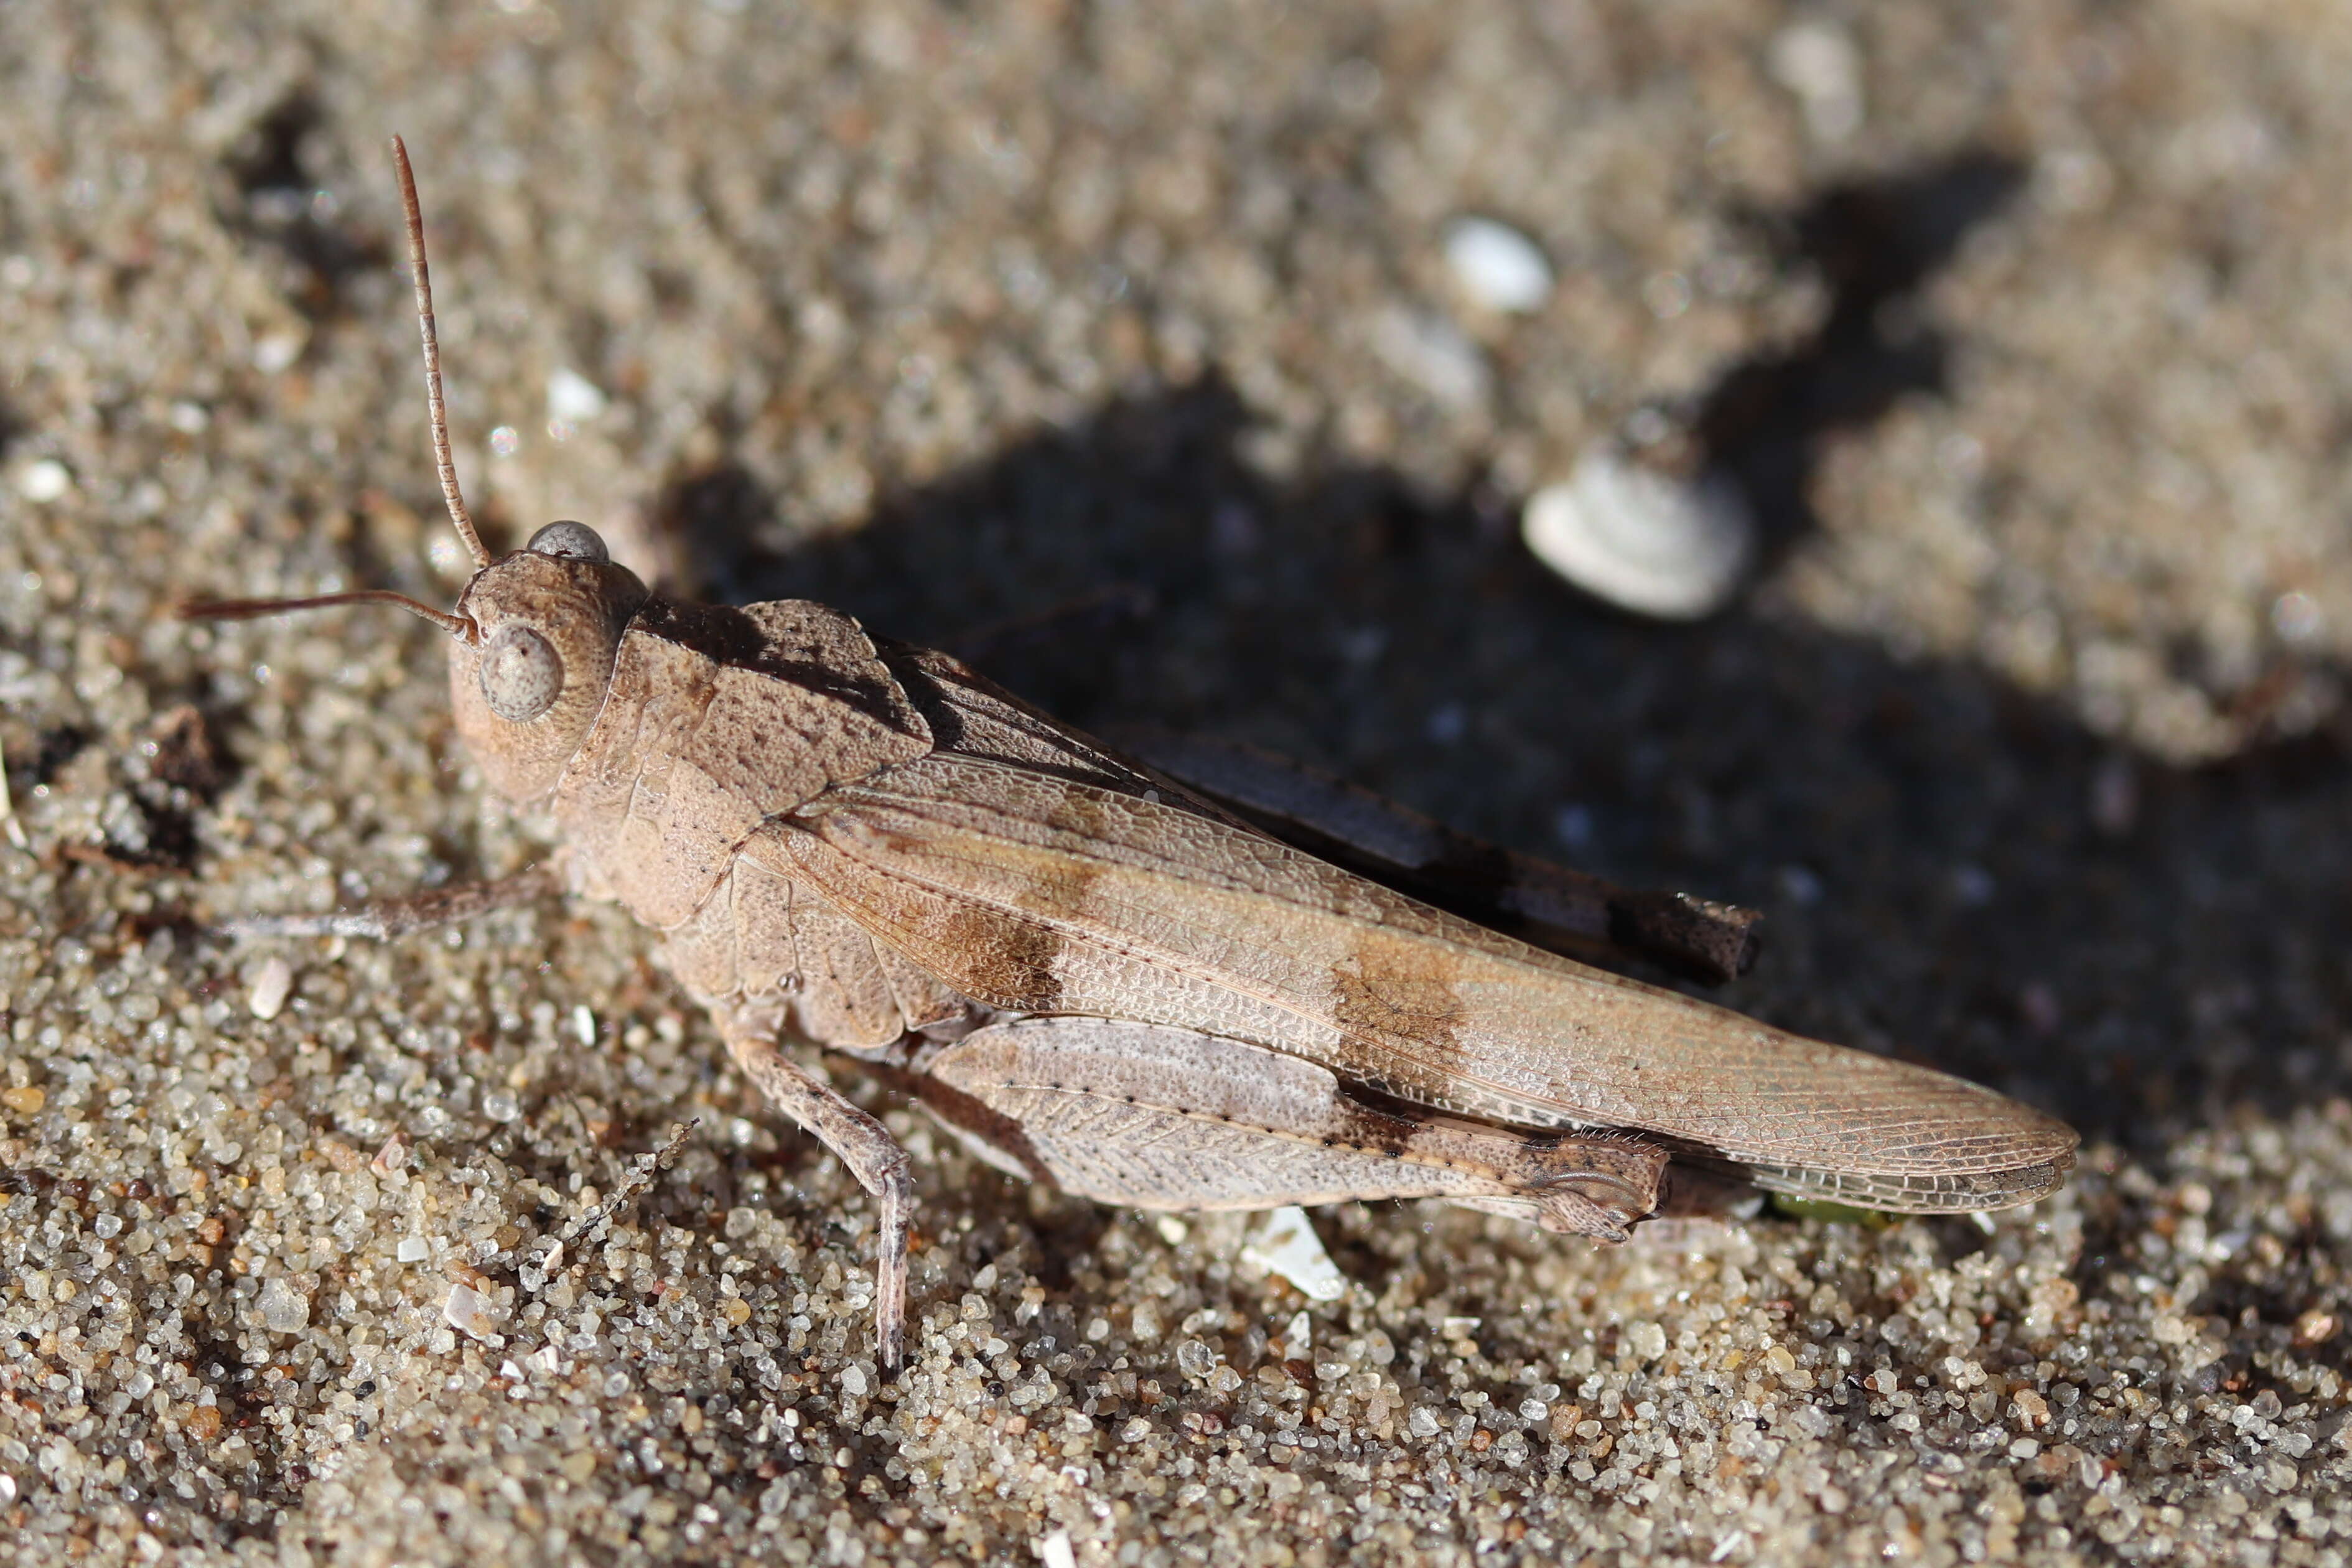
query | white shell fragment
[1497, 266]
[1056, 1551]
[8, 810]
[1286, 1244]
[468, 1311]
[271, 982]
[1644, 541]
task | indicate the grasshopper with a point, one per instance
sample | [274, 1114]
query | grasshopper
[1103, 977]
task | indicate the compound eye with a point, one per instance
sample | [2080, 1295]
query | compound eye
[568, 541]
[521, 673]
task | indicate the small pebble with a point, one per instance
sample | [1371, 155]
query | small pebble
[1818, 61]
[572, 398]
[1054, 1551]
[415, 1249]
[24, 1101]
[1642, 541]
[2296, 617]
[278, 350]
[1433, 354]
[2315, 1327]
[1286, 1244]
[1497, 266]
[284, 1310]
[271, 982]
[45, 480]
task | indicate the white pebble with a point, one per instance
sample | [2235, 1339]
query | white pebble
[415, 1249]
[1056, 1551]
[278, 350]
[284, 1310]
[1658, 546]
[1286, 1244]
[1497, 266]
[583, 1024]
[45, 480]
[271, 982]
[467, 1310]
[573, 398]
[1646, 1340]
[852, 1381]
[1817, 60]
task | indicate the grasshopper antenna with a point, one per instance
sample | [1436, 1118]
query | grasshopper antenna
[462, 627]
[448, 466]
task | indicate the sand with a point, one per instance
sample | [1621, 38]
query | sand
[1116, 348]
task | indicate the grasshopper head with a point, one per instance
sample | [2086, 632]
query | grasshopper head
[534, 635]
[528, 684]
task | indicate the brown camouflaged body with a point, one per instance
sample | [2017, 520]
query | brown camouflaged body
[874, 842]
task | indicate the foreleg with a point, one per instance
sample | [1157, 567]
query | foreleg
[388, 918]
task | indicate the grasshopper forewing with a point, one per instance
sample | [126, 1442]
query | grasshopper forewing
[1095, 975]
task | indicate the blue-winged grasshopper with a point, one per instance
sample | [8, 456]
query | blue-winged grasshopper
[1096, 974]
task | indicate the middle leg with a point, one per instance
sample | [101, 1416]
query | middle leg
[862, 1144]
